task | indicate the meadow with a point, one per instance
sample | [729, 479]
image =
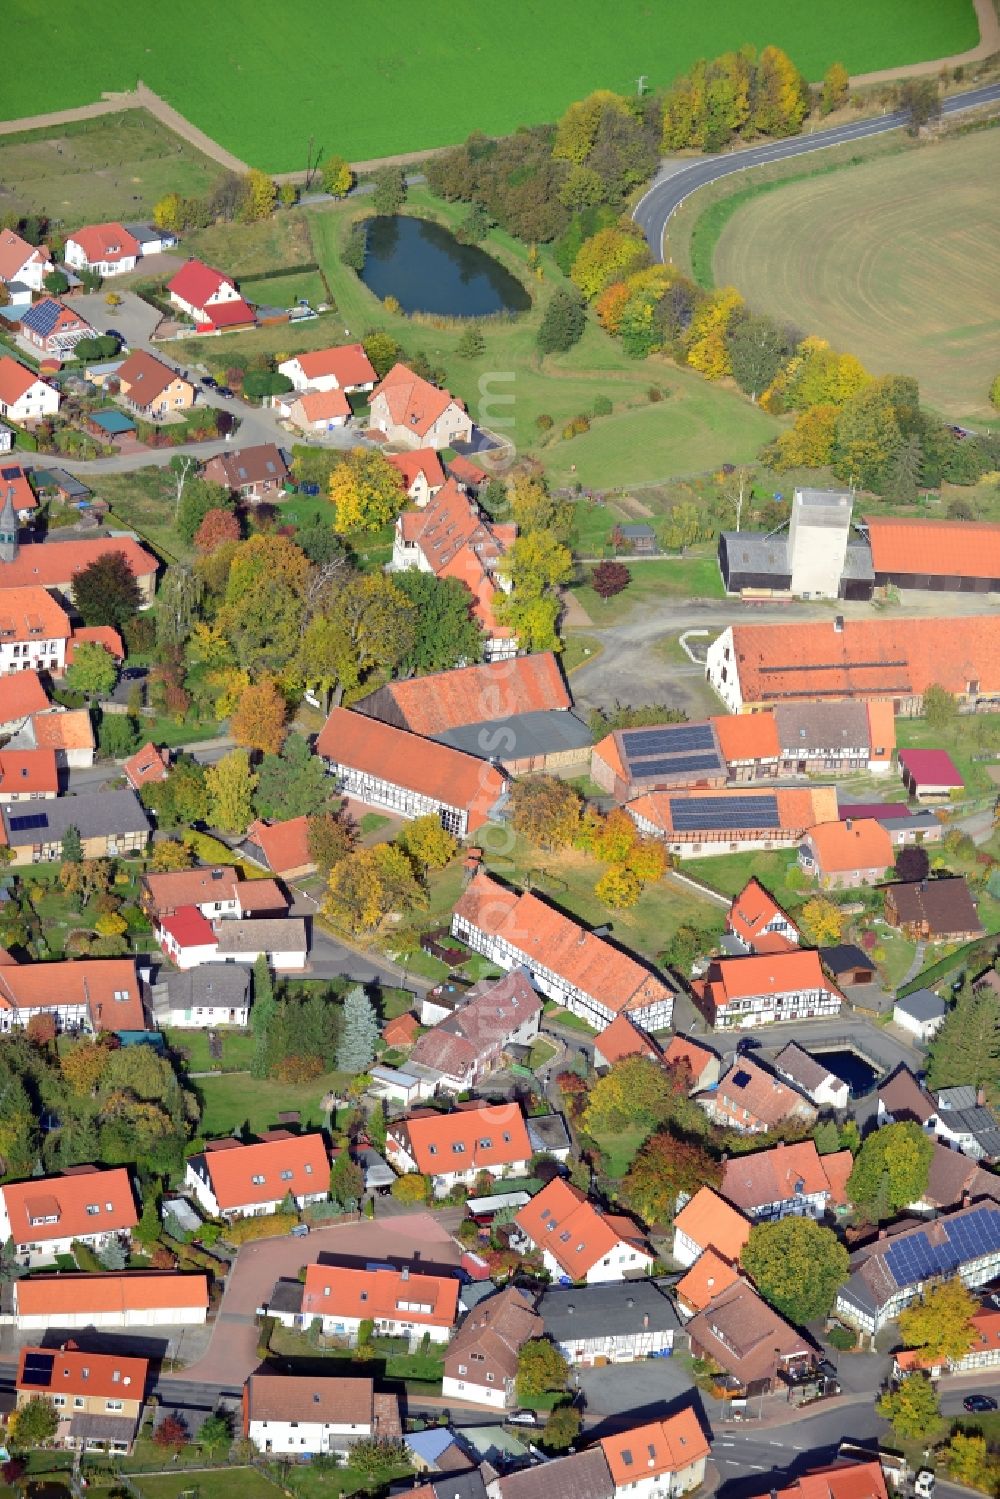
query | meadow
[897, 260]
[422, 78]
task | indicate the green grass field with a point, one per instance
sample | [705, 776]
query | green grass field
[897, 260]
[420, 79]
[231, 1099]
[217, 1483]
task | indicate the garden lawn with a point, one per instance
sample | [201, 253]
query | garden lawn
[237, 1049]
[619, 1150]
[966, 738]
[144, 501]
[234, 1098]
[248, 250]
[391, 1358]
[664, 577]
[306, 1483]
[899, 952]
[577, 650]
[285, 291]
[367, 91]
[214, 1483]
[728, 873]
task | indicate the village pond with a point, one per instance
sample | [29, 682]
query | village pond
[427, 270]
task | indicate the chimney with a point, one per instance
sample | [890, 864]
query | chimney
[406, 1272]
[645, 1321]
[848, 823]
[838, 624]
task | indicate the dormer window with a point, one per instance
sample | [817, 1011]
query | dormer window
[258, 1181]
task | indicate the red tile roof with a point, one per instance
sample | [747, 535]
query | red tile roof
[623, 1039]
[707, 1278]
[27, 771]
[842, 1480]
[938, 548]
[474, 694]
[12, 476]
[31, 614]
[21, 694]
[781, 1174]
[108, 242]
[191, 887]
[65, 1200]
[100, 1375]
[561, 1219]
[731, 979]
[486, 1134]
[712, 1223]
[67, 731]
[837, 1168]
[683, 1049]
[549, 937]
[15, 253]
[195, 282]
[466, 472]
[765, 1098]
[887, 657]
[15, 379]
[229, 314]
[930, 767]
[285, 845]
[841, 848]
[146, 765]
[748, 736]
[323, 405]
[103, 635]
[433, 770]
[398, 1295]
[421, 461]
[752, 910]
[136, 1291]
[412, 402]
[261, 897]
[188, 927]
[54, 564]
[666, 1446]
[401, 1031]
[144, 379]
[348, 363]
[231, 1170]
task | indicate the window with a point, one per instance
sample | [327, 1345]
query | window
[93, 1208]
[463, 1369]
[114, 1405]
[258, 1181]
[77, 1402]
[432, 1150]
[458, 1148]
[364, 1295]
[286, 1176]
[486, 1144]
[489, 1379]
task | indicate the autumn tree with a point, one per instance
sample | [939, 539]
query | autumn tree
[105, 592]
[970, 1462]
[265, 600]
[822, 921]
[368, 625]
[920, 101]
[664, 1167]
[330, 837]
[230, 786]
[93, 670]
[609, 255]
[171, 1433]
[636, 1093]
[217, 527]
[170, 854]
[368, 884]
[260, 717]
[541, 1368]
[33, 1424]
[809, 442]
[336, 177]
[545, 810]
[413, 1187]
[537, 562]
[912, 862]
[619, 888]
[797, 1265]
[168, 213]
[707, 346]
[427, 842]
[390, 189]
[610, 578]
[836, 88]
[891, 1169]
[940, 707]
[912, 1408]
[365, 491]
[446, 633]
[259, 196]
[940, 1322]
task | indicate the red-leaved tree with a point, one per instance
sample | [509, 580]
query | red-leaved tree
[609, 578]
[217, 527]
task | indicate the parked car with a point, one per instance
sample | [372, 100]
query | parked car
[209, 383]
[312, 489]
[225, 391]
[979, 1404]
[923, 1484]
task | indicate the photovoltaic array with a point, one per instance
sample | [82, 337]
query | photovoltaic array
[915, 1258]
[674, 751]
[690, 814]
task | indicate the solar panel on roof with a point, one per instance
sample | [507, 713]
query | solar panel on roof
[27, 822]
[740, 1079]
[669, 740]
[38, 1369]
[689, 814]
[677, 765]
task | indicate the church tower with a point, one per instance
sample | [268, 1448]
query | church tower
[8, 528]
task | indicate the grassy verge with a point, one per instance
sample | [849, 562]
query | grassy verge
[578, 650]
[683, 578]
[192, 1046]
[217, 1483]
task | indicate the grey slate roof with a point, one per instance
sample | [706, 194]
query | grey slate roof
[922, 1004]
[795, 1062]
[821, 726]
[844, 956]
[548, 1132]
[92, 813]
[286, 1296]
[584, 1475]
[218, 985]
[545, 731]
[625, 1308]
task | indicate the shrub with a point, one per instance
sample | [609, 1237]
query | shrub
[86, 1258]
[271, 1226]
[602, 406]
[411, 1188]
[655, 393]
[544, 422]
[581, 424]
[842, 1337]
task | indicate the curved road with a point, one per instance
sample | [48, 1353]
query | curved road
[654, 210]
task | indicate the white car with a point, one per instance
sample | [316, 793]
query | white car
[923, 1485]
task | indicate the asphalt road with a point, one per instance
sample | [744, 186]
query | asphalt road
[666, 195]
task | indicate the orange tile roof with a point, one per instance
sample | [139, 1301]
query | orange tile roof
[730, 979]
[53, 564]
[797, 807]
[778, 1175]
[31, 614]
[562, 1220]
[841, 1480]
[24, 498]
[65, 1199]
[683, 1049]
[15, 253]
[549, 937]
[660, 1447]
[401, 1031]
[886, 657]
[841, 847]
[748, 736]
[421, 461]
[712, 1223]
[285, 845]
[837, 1167]
[881, 729]
[624, 1039]
[191, 887]
[707, 1278]
[231, 1170]
[473, 694]
[260, 897]
[28, 770]
[337, 1291]
[138, 1290]
[108, 988]
[752, 910]
[72, 730]
[986, 1329]
[146, 765]
[433, 770]
[412, 402]
[767, 1100]
[939, 548]
[108, 242]
[21, 694]
[323, 405]
[609, 750]
[104, 635]
[489, 1134]
[101, 1375]
[15, 379]
[348, 363]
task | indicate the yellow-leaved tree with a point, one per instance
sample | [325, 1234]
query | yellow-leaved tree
[366, 491]
[609, 255]
[706, 343]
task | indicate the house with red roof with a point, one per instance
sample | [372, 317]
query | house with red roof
[22, 264]
[758, 923]
[15, 491]
[957, 555]
[232, 1180]
[34, 630]
[697, 824]
[412, 412]
[420, 472]
[83, 994]
[411, 777]
[282, 847]
[209, 298]
[472, 1041]
[751, 1099]
[578, 1242]
[21, 695]
[929, 774]
[665, 1457]
[766, 989]
[786, 1181]
[701, 1061]
[707, 1221]
[43, 1216]
[53, 328]
[576, 968]
[137, 1298]
[843, 855]
[454, 1149]
[108, 249]
[98, 1397]
[622, 1039]
[255, 473]
[23, 396]
[28, 775]
[401, 1303]
[344, 367]
[146, 765]
[151, 388]
[471, 477]
[315, 410]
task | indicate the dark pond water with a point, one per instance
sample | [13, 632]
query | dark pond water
[851, 1069]
[425, 268]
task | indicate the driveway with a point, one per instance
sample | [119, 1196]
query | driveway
[634, 1389]
[416, 1239]
[135, 320]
